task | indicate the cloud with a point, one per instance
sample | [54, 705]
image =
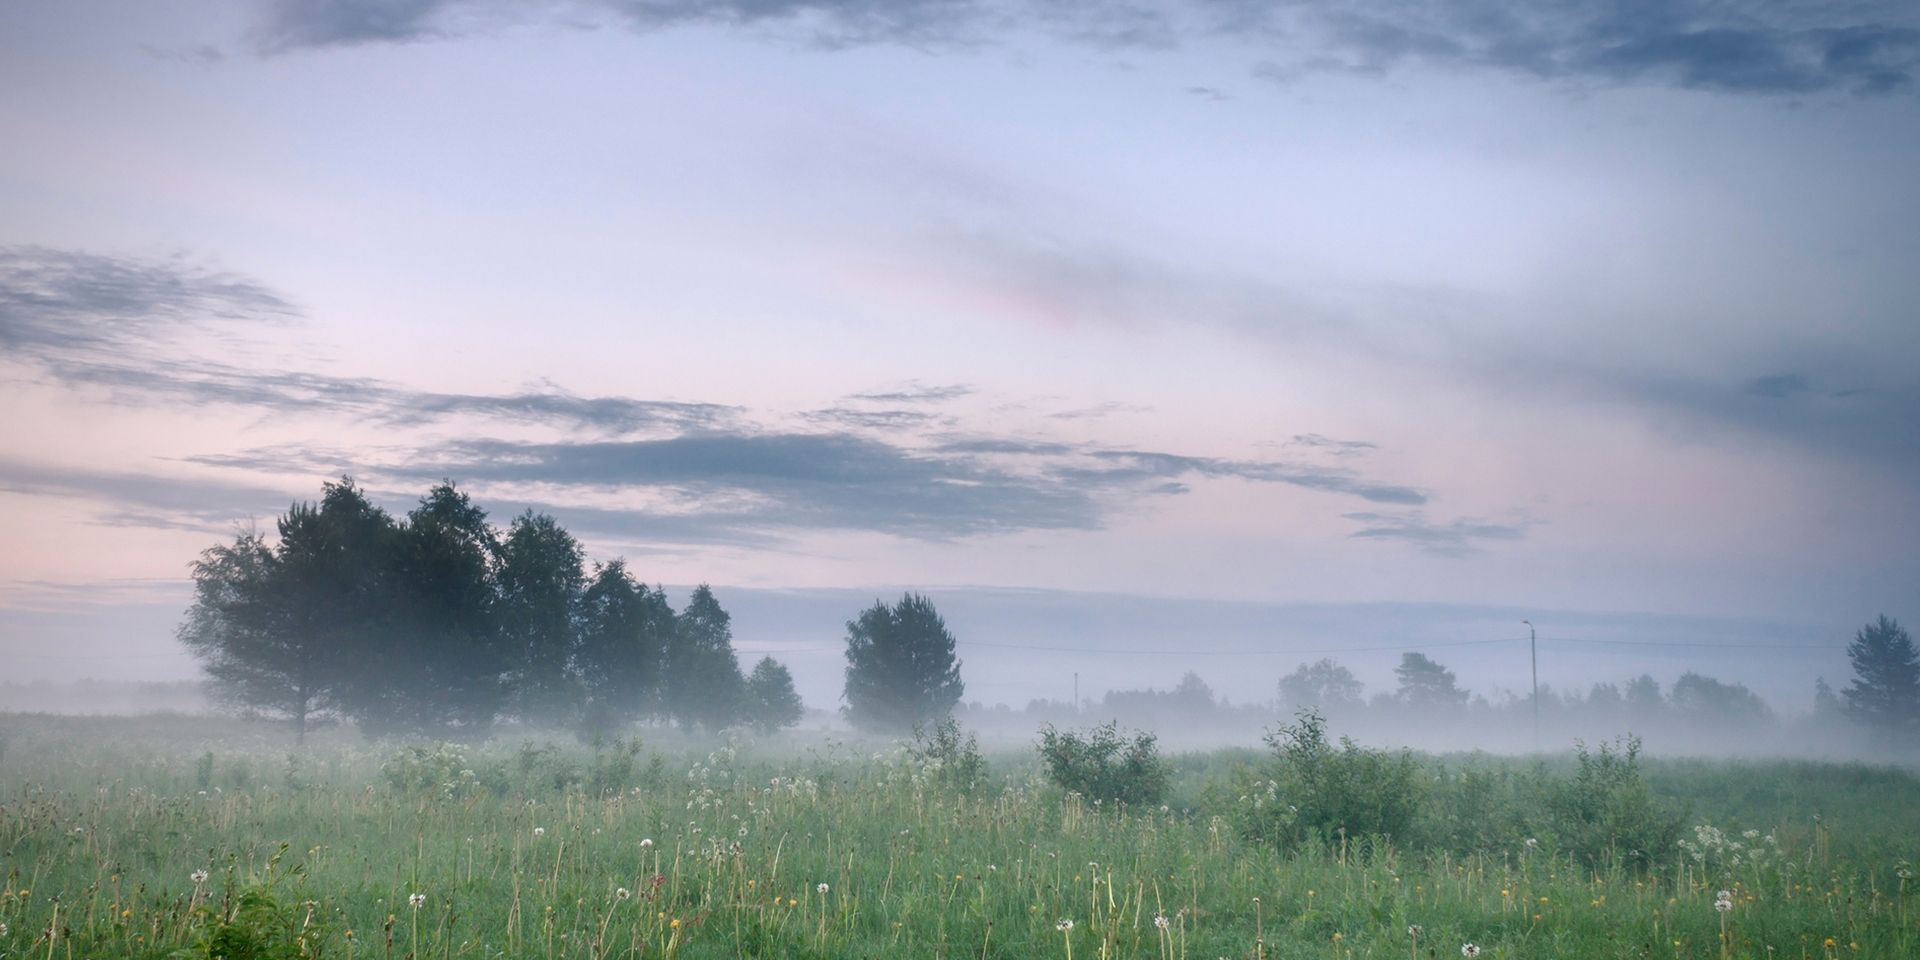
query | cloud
[1339, 448]
[915, 392]
[1777, 386]
[875, 419]
[140, 499]
[57, 303]
[115, 323]
[1455, 538]
[1766, 47]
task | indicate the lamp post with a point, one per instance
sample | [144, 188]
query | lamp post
[1533, 655]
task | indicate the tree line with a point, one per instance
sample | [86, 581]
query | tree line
[438, 623]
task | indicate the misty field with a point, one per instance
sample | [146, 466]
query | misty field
[162, 837]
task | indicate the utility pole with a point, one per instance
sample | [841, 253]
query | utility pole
[1076, 692]
[1533, 654]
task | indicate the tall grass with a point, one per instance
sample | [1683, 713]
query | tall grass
[831, 849]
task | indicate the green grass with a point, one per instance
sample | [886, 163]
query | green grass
[103, 823]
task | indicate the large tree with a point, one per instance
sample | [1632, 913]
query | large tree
[624, 630]
[1424, 683]
[238, 630]
[541, 573]
[772, 702]
[1706, 700]
[444, 663]
[292, 630]
[1324, 684]
[701, 681]
[1885, 692]
[901, 668]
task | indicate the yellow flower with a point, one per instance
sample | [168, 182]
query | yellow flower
[1309, 893]
[675, 924]
[1543, 899]
[1337, 937]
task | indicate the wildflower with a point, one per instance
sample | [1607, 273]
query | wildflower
[1160, 920]
[3, 929]
[1064, 926]
[821, 889]
[1469, 950]
[1533, 844]
[675, 924]
[622, 893]
[1723, 905]
[539, 831]
[416, 900]
[1338, 936]
[198, 877]
[646, 844]
[1414, 931]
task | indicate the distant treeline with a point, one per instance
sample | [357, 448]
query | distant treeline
[438, 623]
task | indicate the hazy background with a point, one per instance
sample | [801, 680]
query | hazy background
[1216, 334]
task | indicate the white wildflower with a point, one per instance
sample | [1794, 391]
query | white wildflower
[646, 844]
[539, 831]
[1414, 931]
[416, 900]
[622, 893]
[1469, 950]
[1160, 920]
[1064, 925]
[822, 889]
[198, 877]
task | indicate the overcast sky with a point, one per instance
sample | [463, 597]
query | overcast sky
[1599, 312]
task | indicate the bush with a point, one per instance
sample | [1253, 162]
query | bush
[1316, 792]
[949, 759]
[1606, 813]
[1103, 765]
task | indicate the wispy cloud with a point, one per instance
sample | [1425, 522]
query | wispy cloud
[115, 324]
[915, 392]
[1748, 47]
[1454, 538]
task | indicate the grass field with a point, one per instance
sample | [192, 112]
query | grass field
[173, 836]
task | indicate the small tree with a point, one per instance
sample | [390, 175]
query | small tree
[772, 703]
[1885, 693]
[900, 666]
[1424, 683]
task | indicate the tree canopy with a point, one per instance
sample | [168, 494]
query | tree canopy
[901, 668]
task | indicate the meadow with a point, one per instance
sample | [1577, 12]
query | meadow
[177, 836]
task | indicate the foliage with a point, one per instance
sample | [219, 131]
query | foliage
[1101, 764]
[1885, 693]
[901, 668]
[1324, 684]
[1318, 793]
[772, 704]
[1703, 699]
[1425, 683]
[701, 684]
[625, 627]
[1606, 813]
[953, 761]
[541, 575]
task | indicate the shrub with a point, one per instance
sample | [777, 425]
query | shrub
[1606, 811]
[1316, 792]
[1103, 765]
[949, 759]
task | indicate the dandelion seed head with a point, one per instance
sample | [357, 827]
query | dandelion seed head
[821, 889]
[1064, 925]
[198, 876]
[416, 900]
[622, 893]
[1469, 950]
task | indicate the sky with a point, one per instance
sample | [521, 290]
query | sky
[1245, 329]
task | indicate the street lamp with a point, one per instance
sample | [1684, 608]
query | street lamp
[1533, 654]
